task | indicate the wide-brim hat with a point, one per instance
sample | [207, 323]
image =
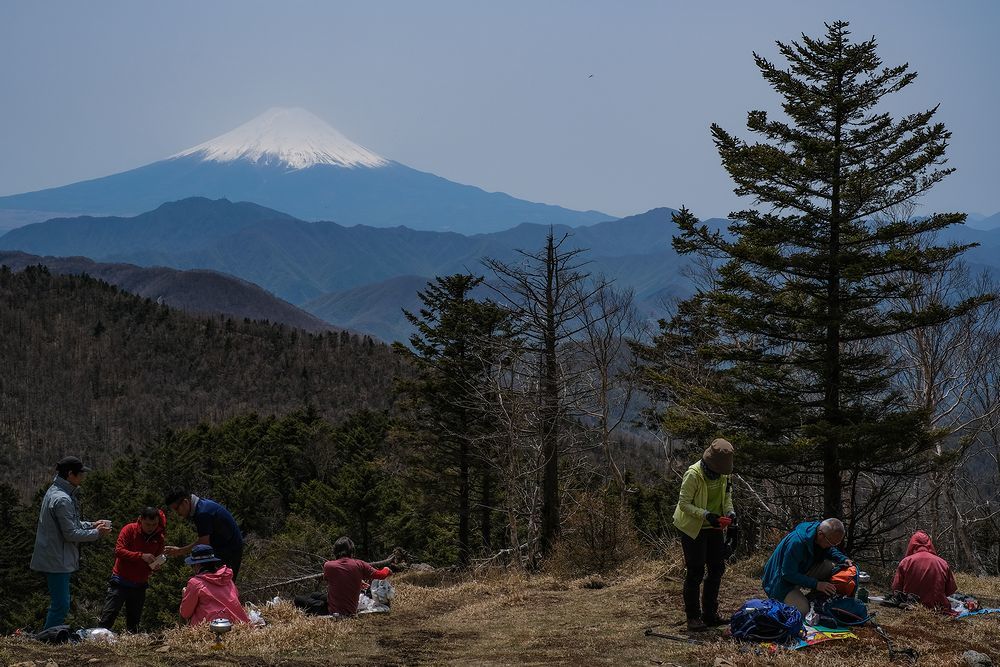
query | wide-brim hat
[719, 457]
[201, 554]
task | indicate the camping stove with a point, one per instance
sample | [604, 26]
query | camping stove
[220, 626]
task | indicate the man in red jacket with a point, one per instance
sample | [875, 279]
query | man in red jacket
[925, 574]
[345, 577]
[139, 543]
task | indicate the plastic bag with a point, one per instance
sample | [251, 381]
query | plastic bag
[382, 592]
[367, 605]
[97, 635]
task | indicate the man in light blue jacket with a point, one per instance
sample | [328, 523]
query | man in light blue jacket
[60, 531]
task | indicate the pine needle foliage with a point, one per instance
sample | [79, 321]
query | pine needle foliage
[444, 419]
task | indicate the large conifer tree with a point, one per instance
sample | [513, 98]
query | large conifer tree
[803, 310]
[452, 349]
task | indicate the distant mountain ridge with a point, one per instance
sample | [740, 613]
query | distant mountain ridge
[376, 308]
[290, 160]
[173, 227]
[195, 291]
[299, 261]
[360, 277]
[986, 223]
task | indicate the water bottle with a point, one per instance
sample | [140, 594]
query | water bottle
[811, 616]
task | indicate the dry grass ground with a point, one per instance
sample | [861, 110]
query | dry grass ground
[502, 618]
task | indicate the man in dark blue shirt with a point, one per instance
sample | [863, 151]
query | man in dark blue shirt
[215, 525]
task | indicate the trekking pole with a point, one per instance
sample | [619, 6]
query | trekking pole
[650, 632]
[909, 653]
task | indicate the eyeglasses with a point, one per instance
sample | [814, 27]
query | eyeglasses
[826, 542]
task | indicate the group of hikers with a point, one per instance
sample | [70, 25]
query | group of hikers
[215, 557]
[806, 559]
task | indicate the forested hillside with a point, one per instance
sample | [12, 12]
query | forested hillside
[198, 291]
[98, 372]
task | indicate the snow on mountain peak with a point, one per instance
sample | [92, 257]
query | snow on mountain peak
[291, 137]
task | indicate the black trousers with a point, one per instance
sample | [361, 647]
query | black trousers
[233, 558]
[131, 598]
[313, 604]
[707, 551]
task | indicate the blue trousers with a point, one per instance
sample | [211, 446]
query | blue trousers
[59, 593]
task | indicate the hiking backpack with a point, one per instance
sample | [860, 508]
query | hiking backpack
[841, 612]
[57, 634]
[766, 621]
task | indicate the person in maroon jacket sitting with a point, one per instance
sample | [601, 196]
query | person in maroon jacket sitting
[139, 543]
[345, 577]
[925, 574]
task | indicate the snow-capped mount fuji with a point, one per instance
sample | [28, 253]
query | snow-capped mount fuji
[292, 161]
[294, 138]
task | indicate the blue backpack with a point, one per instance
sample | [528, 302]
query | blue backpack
[840, 612]
[766, 621]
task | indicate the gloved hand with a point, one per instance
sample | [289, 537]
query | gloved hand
[713, 519]
[732, 515]
[732, 539]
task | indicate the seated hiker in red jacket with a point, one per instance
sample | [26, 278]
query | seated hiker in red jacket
[345, 578]
[139, 543]
[925, 574]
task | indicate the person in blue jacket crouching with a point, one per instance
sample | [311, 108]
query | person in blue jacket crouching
[805, 558]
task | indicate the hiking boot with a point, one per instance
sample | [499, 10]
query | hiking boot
[696, 625]
[714, 621]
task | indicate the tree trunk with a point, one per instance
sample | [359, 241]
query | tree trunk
[612, 464]
[550, 410]
[832, 498]
[967, 558]
[464, 552]
[486, 511]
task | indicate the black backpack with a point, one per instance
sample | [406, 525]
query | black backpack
[314, 604]
[841, 612]
[57, 634]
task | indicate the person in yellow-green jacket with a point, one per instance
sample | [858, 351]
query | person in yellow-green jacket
[704, 510]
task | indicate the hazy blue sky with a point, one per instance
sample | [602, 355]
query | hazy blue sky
[494, 94]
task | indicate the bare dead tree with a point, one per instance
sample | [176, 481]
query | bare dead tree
[546, 296]
[609, 323]
[950, 371]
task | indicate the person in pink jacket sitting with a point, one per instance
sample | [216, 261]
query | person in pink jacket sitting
[210, 593]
